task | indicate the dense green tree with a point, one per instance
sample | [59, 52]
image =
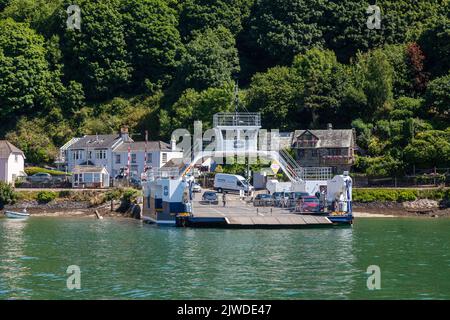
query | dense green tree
[438, 97]
[96, 55]
[26, 83]
[282, 29]
[3, 4]
[373, 76]
[323, 80]
[211, 59]
[197, 15]
[153, 40]
[344, 23]
[435, 43]
[429, 148]
[33, 139]
[194, 105]
[277, 94]
[38, 13]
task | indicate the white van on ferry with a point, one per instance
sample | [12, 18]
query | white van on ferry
[231, 183]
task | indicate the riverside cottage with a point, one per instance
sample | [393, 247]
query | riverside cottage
[93, 159]
[12, 161]
[325, 148]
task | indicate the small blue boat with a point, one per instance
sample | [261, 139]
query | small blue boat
[17, 215]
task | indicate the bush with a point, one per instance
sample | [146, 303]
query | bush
[65, 194]
[7, 194]
[46, 196]
[33, 170]
[113, 194]
[384, 195]
[400, 195]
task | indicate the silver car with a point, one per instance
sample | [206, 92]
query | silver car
[40, 177]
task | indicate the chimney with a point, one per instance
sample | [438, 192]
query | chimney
[329, 126]
[124, 134]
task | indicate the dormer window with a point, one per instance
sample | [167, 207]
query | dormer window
[307, 140]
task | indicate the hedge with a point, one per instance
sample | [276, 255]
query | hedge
[399, 195]
[33, 170]
[46, 196]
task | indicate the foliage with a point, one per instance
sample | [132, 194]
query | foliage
[399, 195]
[438, 97]
[46, 196]
[282, 29]
[33, 170]
[211, 59]
[26, 82]
[96, 55]
[7, 194]
[153, 40]
[158, 65]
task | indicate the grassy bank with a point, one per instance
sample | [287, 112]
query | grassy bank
[365, 195]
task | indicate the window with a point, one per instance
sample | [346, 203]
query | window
[164, 157]
[301, 153]
[118, 160]
[77, 154]
[100, 154]
[89, 155]
[149, 157]
[334, 152]
[16, 158]
[133, 158]
[314, 153]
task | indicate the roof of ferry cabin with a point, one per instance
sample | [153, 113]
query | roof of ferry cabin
[7, 148]
[328, 138]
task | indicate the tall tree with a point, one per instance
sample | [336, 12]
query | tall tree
[152, 39]
[197, 15]
[281, 29]
[211, 59]
[96, 55]
[26, 83]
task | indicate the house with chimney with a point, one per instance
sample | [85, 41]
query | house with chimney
[334, 148]
[94, 160]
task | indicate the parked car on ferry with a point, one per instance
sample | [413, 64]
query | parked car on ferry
[210, 197]
[295, 196]
[280, 199]
[310, 204]
[262, 200]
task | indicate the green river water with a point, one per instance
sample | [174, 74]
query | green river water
[125, 259]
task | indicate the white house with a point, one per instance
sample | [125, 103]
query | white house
[12, 162]
[95, 150]
[110, 151]
[158, 154]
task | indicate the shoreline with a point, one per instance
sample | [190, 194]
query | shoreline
[105, 211]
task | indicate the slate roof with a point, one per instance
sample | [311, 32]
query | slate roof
[88, 169]
[140, 146]
[6, 148]
[100, 141]
[329, 138]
